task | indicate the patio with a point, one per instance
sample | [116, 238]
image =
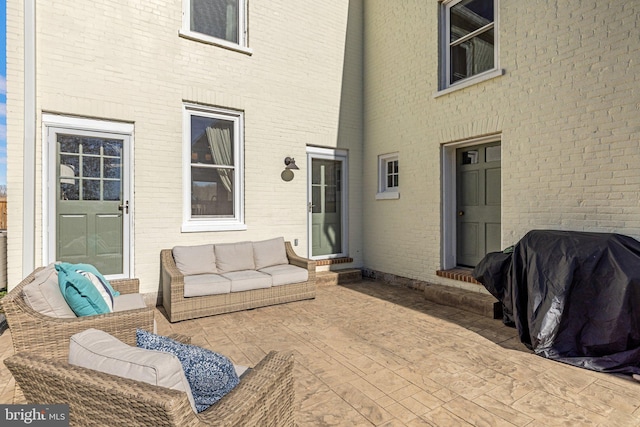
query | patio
[374, 354]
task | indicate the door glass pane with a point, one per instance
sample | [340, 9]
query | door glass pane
[326, 198]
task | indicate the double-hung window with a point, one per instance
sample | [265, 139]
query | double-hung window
[388, 177]
[219, 22]
[213, 158]
[469, 42]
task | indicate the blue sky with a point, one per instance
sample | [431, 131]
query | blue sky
[3, 93]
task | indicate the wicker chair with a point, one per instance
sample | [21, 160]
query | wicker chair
[264, 397]
[49, 336]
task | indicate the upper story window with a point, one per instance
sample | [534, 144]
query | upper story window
[469, 41]
[213, 153]
[388, 177]
[219, 22]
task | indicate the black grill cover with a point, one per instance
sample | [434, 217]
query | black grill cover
[573, 296]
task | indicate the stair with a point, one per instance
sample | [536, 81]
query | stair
[338, 277]
[474, 302]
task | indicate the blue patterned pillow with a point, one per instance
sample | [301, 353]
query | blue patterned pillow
[210, 375]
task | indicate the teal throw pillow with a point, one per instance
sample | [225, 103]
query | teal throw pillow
[86, 291]
[210, 375]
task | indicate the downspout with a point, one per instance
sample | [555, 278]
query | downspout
[29, 145]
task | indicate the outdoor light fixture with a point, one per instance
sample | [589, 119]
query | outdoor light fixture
[290, 166]
[291, 163]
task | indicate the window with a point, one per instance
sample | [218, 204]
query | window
[388, 177]
[219, 22]
[213, 190]
[469, 41]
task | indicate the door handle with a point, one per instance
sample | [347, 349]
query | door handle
[460, 213]
[311, 206]
[124, 207]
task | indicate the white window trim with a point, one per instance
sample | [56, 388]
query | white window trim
[445, 62]
[241, 46]
[189, 224]
[385, 193]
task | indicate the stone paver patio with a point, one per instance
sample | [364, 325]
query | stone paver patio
[374, 354]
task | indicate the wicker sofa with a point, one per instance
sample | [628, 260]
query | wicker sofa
[49, 336]
[182, 306]
[265, 395]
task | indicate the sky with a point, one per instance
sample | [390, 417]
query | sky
[3, 93]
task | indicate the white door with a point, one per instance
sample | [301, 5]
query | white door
[327, 203]
[88, 198]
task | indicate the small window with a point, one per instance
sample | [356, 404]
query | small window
[213, 161]
[469, 40]
[388, 177]
[220, 22]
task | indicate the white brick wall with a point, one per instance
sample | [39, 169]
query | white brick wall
[566, 108]
[123, 60]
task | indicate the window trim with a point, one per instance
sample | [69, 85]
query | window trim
[384, 192]
[190, 224]
[241, 46]
[445, 58]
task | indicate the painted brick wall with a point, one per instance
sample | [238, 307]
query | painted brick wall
[124, 60]
[566, 109]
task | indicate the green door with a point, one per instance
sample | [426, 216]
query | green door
[326, 207]
[90, 203]
[478, 202]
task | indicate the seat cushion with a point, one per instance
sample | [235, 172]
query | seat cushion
[269, 252]
[286, 274]
[211, 375]
[206, 284]
[247, 280]
[97, 350]
[234, 257]
[86, 291]
[126, 302]
[195, 259]
[44, 296]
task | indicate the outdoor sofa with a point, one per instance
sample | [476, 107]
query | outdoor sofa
[264, 395]
[211, 279]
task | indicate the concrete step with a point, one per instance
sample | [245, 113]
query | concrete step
[338, 277]
[474, 302]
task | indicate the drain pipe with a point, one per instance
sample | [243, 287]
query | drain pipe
[29, 145]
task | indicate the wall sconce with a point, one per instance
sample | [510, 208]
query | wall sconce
[290, 166]
[291, 163]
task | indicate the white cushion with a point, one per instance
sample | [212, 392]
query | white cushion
[97, 350]
[124, 302]
[286, 274]
[44, 296]
[234, 257]
[195, 259]
[247, 280]
[269, 252]
[206, 284]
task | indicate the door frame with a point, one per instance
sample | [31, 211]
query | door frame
[52, 123]
[448, 250]
[329, 154]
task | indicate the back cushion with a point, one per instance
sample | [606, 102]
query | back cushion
[269, 252]
[234, 257]
[44, 296]
[97, 350]
[195, 259]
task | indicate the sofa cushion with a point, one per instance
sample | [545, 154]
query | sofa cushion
[206, 284]
[44, 296]
[195, 259]
[210, 375]
[234, 257]
[127, 302]
[269, 252]
[86, 291]
[95, 349]
[247, 280]
[286, 274]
